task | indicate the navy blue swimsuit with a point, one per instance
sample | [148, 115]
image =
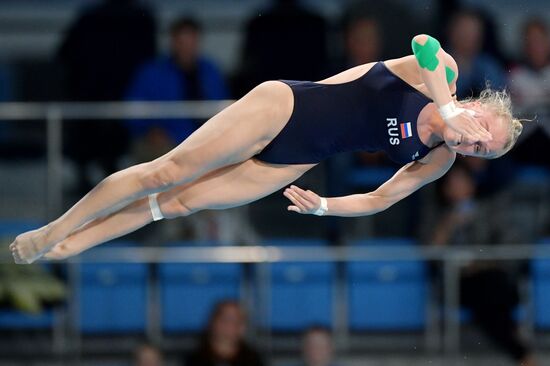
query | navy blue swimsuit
[376, 112]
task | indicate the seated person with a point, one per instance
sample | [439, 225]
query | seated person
[147, 355]
[466, 34]
[182, 75]
[317, 347]
[486, 288]
[223, 341]
[530, 92]
[529, 80]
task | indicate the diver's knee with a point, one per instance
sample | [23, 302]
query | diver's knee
[162, 176]
[174, 207]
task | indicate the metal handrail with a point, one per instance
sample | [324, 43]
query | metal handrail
[112, 110]
[274, 254]
[57, 113]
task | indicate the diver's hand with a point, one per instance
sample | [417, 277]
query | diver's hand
[304, 202]
[464, 122]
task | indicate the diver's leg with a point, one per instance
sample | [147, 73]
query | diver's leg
[227, 187]
[234, 135]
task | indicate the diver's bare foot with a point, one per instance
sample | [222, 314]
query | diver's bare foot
[30, 246]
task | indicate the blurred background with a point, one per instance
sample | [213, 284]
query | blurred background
[458, 273]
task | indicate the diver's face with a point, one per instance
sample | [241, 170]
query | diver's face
[480, 149]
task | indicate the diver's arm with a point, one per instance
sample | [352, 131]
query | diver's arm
[436, 75]
[407, 180]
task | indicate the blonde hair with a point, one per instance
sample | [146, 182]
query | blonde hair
[499, 102]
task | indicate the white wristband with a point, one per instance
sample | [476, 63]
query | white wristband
[323, 208]
[449, 110]
[155, 208]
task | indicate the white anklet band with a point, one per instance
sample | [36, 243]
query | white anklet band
[323, 208]
[155, 209]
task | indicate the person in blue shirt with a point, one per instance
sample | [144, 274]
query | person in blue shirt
[184, 74]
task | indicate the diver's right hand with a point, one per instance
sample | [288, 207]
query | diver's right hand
[464, 122]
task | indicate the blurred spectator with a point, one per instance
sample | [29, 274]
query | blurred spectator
[148, 355]
[530, 88]
[363, 41]
[223, 341]
[317, 347]
[445, 10]
[485, 287]
[476, 68]
[491, 176]
[226, 227]
[395, 22]
[286, 41]
[530, 81]
[100, 52]
[457, 225]
[184, 74]
[490, 43]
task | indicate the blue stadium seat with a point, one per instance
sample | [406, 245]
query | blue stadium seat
[113, 296]
[13, 319]
[189, 292]
[301, 292]
[387, 295]
[540, 269]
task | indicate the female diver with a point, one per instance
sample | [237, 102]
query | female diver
[280, 130]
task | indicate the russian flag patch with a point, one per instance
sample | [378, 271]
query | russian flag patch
[406, 130]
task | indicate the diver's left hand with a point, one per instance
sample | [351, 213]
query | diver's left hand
[303, 202]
